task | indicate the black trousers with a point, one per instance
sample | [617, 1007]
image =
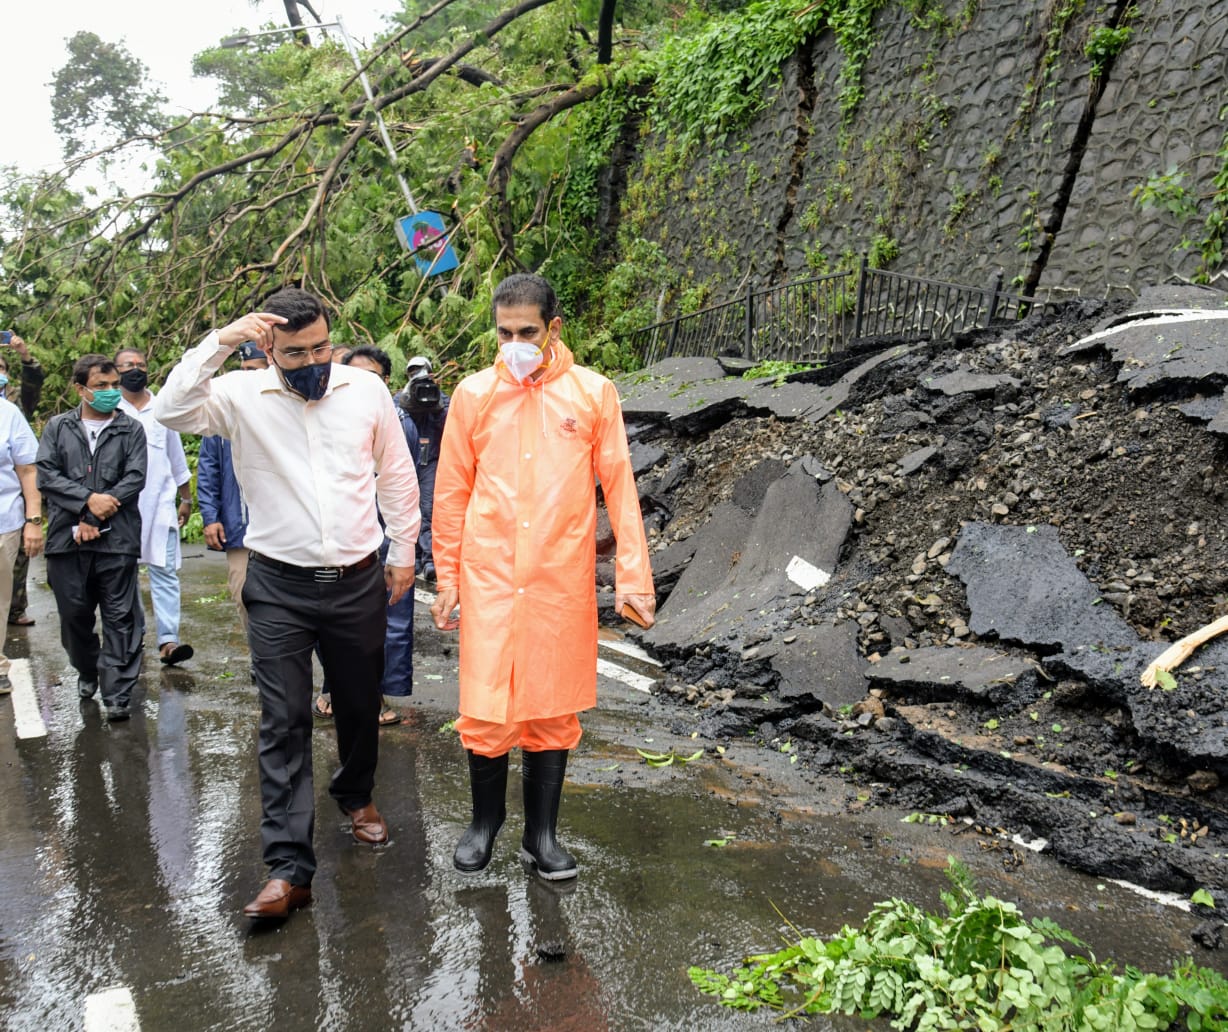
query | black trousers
[21, 597]
[288, 615]
[87, 582]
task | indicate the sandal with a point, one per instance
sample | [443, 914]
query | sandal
[388, 716]
[176, 655]
[324, 708]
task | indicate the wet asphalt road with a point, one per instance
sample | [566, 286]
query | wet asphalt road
[129, 849]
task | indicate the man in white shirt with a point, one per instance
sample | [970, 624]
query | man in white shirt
[21, 506]
[166, 475]
[306, 437]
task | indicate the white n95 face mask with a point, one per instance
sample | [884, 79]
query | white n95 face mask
[521, 358]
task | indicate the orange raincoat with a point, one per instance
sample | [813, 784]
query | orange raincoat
[515, 524]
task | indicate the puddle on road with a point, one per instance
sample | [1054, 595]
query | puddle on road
[129, 850]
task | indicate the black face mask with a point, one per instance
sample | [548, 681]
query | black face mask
[308, 381]
[133, 380]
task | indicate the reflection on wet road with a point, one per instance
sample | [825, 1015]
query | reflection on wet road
[129, 849]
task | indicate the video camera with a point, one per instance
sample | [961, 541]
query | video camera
[422, 394]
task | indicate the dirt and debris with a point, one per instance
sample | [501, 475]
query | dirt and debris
[1004, 531]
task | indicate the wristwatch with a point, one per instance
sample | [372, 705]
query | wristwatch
[35, 519]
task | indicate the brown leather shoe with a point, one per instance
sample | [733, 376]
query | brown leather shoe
[277, 899]
[366, 825]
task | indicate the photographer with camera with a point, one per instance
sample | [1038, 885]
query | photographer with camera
[427, 405]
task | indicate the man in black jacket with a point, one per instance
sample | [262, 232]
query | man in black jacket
[91, 468]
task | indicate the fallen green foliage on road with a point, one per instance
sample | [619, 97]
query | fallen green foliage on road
[982, 966]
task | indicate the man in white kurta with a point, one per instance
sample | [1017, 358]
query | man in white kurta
[167, 478]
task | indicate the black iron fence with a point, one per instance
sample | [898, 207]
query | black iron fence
[810, 320]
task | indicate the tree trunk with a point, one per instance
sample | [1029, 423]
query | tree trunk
[605, 31]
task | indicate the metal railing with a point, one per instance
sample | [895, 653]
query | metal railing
[811, 320]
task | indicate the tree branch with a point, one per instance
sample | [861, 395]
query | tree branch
[501, 165]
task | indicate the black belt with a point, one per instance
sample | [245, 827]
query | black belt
[323, 574]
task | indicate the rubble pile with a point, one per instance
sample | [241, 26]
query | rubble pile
[945, 566]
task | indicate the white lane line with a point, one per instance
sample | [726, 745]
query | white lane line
[424, 596]
[637, 681]
[628, 649]
[1168, 899]
[112, 1010]
[26, 717]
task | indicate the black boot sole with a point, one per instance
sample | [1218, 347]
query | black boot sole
[531, 864]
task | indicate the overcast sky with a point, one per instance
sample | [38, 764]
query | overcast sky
[162, 35]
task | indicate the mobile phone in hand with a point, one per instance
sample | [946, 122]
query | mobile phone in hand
[6, 337]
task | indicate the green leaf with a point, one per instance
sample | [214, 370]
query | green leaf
[1203, 898]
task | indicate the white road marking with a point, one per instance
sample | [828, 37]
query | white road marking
[628, 649]
[1169, 318]
[637, 681]
[26, 717]
[1169, 899]
[806, 575]
[112, 1010]
[605, 667]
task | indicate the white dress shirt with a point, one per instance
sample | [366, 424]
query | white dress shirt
[305, 467]
[166, 468]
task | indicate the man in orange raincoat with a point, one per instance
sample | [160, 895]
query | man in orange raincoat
[514, 525]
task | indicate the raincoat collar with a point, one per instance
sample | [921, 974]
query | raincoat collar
[559, 364]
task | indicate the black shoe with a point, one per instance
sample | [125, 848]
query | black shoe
[86, 689]
[115, 713]
[488, 785]
[542, 775]
[6, 686]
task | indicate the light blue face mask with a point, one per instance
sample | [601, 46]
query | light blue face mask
[4, 381]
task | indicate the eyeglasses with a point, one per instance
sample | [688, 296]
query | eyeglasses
[298, 355]
[123, 367]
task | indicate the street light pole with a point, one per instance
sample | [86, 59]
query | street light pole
[238, 41]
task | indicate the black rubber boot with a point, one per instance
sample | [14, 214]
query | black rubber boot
[488, 783]
[543, 785]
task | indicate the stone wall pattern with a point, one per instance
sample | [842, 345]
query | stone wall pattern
[958, 151]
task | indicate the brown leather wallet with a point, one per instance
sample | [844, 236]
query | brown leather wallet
[632, 614]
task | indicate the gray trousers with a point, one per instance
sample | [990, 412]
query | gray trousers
[288, 615]
[88, 583]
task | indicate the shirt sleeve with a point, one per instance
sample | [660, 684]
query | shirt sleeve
[23, 444]
[612, 464]
[52, 482]
[396, 485]
[209, 480]
[178, 460]
[190, 401]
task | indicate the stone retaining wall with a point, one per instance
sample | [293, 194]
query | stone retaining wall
[963, 153]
